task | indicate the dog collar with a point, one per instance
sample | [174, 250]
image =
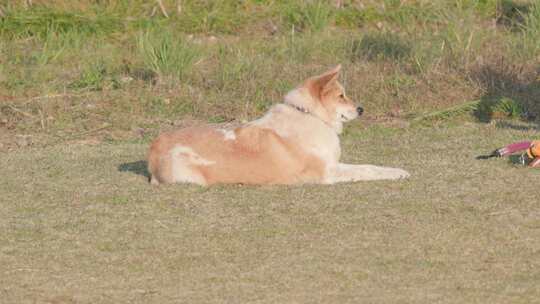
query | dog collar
[306, 111]
[303, 110]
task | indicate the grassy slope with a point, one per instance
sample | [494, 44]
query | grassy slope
[80, 100]
[83, 225]
[72, 67]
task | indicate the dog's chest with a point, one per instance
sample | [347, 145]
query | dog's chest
[324, 146]
[308, 133]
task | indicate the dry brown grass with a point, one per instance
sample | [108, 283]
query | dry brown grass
[81, 224]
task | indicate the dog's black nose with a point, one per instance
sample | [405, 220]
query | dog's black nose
[360, 110]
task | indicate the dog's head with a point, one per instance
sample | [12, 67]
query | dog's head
[324, 97]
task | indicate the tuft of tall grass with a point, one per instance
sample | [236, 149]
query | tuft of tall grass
[500, 107]
[55, 43]
[531, 30]
[167, 54]
[309, 15]
[460, 37]
[508, 107]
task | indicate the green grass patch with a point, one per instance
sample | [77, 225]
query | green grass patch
[40, 20]
[308, 15]
[531, 30]
[220, 16]
[92, 77]
[140, 68]
[353, 17]
[380, 46]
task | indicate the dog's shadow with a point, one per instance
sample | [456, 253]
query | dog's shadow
[138, 167]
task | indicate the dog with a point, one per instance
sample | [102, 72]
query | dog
[295, 142]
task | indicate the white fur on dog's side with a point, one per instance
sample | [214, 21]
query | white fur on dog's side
[183, 159]
[228, 134]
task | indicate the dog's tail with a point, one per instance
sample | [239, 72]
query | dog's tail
[153, 163]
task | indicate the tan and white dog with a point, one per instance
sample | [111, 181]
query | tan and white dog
[295, 142]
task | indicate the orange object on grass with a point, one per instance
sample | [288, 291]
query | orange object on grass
[534, 153]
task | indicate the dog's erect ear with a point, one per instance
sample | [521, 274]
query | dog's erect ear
[318, 83]
[328, 76]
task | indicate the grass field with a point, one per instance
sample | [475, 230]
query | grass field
[85, 86]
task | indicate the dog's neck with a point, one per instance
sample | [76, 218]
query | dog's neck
[299, 96]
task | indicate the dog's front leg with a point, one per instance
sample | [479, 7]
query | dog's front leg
[351, 173]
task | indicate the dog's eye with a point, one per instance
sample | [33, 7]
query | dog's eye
[341, 95]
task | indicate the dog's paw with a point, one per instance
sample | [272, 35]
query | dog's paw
[404, 174]
[397, 173]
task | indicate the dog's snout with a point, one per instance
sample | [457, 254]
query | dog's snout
[360, 110]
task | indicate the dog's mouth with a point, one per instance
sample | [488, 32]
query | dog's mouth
[345, 118]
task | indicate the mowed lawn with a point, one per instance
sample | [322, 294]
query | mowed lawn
[81, 224]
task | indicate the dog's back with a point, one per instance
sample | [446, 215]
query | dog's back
[248, 155]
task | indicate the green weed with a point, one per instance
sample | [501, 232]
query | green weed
[167, 54]
[92, 77]
[500, 107]
[448, 113]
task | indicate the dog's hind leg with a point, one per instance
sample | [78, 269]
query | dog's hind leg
[352, 173]
[154, 181]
